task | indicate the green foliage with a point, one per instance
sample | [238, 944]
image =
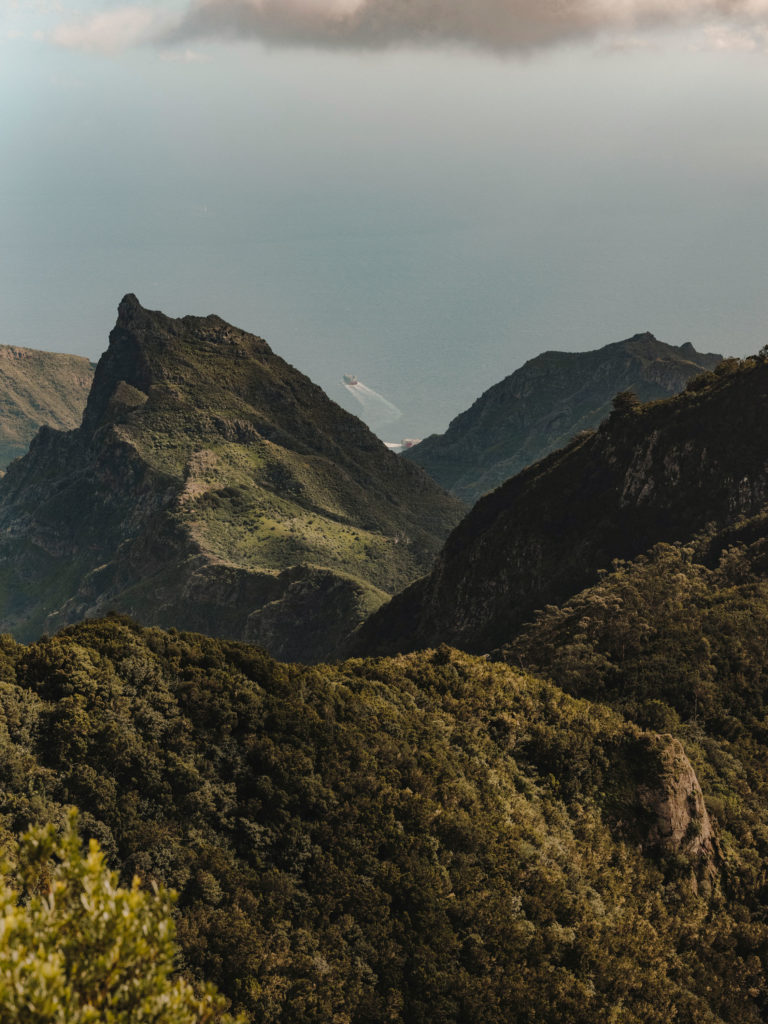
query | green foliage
[662, 630]
[76, 948]
[679, 647]
[430, 838]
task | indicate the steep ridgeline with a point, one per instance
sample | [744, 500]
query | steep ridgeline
[655, 472]
[37, 388]
[541, 406]
[212, 486]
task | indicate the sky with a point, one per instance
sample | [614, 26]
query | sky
[422, 193]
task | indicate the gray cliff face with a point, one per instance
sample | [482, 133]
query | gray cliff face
[659, 472]
[541, 406]
[671, 795]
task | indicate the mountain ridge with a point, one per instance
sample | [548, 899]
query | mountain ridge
[656, 472]
[206, 465]
[38, 388]
[542, 405]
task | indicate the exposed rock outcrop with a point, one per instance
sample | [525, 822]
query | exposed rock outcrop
[671, 795]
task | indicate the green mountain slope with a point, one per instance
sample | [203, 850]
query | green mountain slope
[677, 640]
[212, 486]
[428, 838]
[541, 406]
[37, 388]
[667, 638]
[654, 472]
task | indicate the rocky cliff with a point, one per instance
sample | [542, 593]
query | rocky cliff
[541, 406]
[38, 388]
[211, 486]
[654, 472]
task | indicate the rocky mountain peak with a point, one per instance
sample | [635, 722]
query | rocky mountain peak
[209, 479]
[128, 309]
[197, 360]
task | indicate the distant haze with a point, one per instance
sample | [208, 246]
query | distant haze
[425, 218]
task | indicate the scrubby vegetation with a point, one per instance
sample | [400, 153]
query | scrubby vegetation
[37, 388]
[426, 838]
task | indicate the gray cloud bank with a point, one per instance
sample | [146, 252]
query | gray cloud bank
[498, 25]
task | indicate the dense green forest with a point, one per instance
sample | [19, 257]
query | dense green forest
[426, 838]
[678, 647]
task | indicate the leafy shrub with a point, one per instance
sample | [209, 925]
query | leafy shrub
[76, 948]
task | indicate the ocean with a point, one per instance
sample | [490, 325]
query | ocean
[423, 222]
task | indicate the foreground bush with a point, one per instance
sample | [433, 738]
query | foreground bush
[76, 948]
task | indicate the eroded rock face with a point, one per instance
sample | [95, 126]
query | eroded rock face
[673, 797]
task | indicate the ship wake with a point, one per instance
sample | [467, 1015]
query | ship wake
[376, 408]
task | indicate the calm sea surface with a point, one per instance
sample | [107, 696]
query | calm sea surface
[424, 223]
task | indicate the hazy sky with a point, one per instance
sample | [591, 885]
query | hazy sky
[424, 193]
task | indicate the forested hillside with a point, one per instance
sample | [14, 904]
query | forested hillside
[429, 838]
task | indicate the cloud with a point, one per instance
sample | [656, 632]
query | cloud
[496, 25]
[491, 24]
[185, 57]
[727, 38]
[109, 31]
[501, 25]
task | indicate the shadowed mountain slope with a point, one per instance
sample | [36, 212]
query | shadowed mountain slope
[541, 406]
[655, 472]
[212, 486]
[37, 388]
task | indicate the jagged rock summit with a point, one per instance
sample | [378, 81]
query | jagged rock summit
[541, 406]
[211, 486]
[38, 388]
[662, 471]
